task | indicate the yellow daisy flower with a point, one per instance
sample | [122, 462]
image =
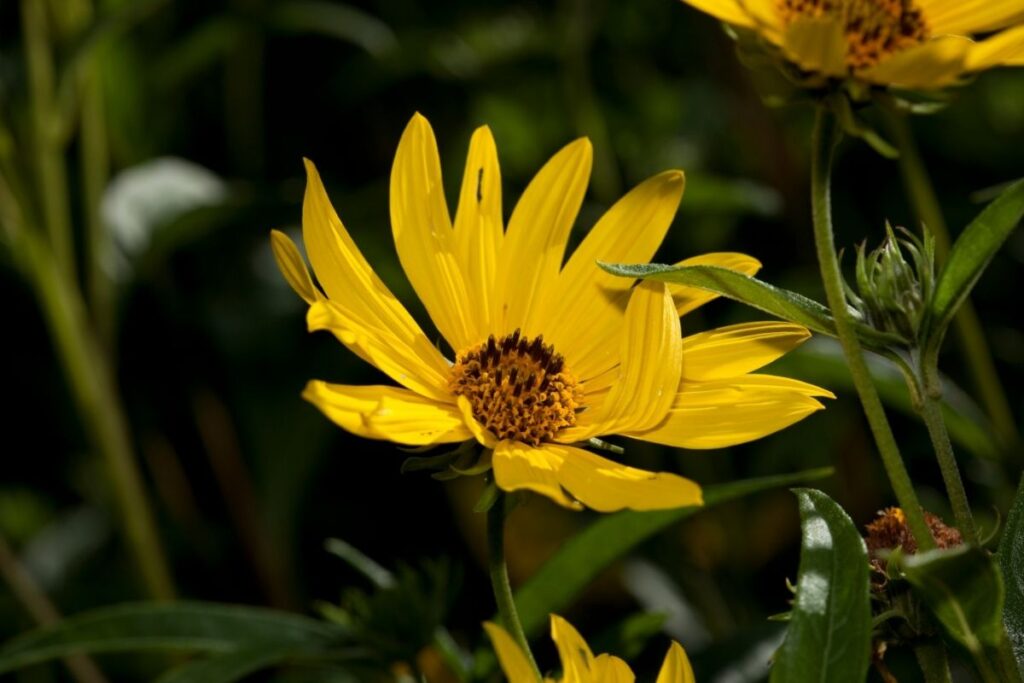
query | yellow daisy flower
[916, 44]
[544, 357]
[579, 665]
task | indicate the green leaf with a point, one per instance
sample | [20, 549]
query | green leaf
[963, 588]
[229, 667]
[1011, 561]
[829, 632]
[970, 256]
[756, 293]
[186, 626]
[554, 587]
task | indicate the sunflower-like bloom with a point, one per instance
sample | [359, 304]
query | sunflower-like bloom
[543, 356]
[915, 44]
[579, 665]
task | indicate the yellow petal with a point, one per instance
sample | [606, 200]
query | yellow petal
[512, 659]
[934, 64]
[817, 45]
[361, 306]
[520, 467]
[732, 411]
[291, 265]
[1002, 49]
[573, 651]
[586, 318]
[478, 229]
[423, 234]
[676, 668]
[759, 15]
[966, 17]
[609, 669]
[483, 436]
[689, 299]
[388, 413]
[408, 358]
[738, 349]
[534, 245]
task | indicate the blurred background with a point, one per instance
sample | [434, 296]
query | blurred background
[180, 129]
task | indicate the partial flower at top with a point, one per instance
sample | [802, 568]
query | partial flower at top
[545, 356]
[579, 665]
[913, 44]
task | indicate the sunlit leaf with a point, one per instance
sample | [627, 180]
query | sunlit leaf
[1011, 560]
[829, 632]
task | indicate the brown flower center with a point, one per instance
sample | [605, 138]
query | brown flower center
[874, 29]
[518, 388]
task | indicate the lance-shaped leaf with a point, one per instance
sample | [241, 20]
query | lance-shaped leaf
[1011, 560]
[230, 666]
[758, 294]
[970, 256]
[829, 632]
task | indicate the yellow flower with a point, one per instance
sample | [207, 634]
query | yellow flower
[579, 665]
[544, 356]
[916, 44]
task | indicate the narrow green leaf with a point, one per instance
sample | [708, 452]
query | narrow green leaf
[758, 294]
[1011, 560]
[970, 256]
[829, 632]
[228, 667]
[187, 626]
[963, 588]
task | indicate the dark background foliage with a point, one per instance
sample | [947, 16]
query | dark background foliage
[211, 347]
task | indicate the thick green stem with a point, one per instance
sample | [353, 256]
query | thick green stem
[931, 412]
[968, 327]
[931, 657]
[823, 144]
[499, 577]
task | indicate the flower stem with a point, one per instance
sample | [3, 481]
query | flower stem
[931, 412]
[823, 143]
[931, 657]
[499, 577]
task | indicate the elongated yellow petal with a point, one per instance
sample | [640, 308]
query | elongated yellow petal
[423, 234]
[291, 265]
[689, 299]
[732, 411]
[759, 15]
[738, 349]
[479, 231]
[512, 659]
[538, 230]
[410, 360]
[817, 45]
[573, 651]
[520, 467]
[1003, 49]
[361, 306]
[389, 413]
[586, 317]
[965, 17]
[480, 433]
[609, 669]
[676, 668]
[933, 64]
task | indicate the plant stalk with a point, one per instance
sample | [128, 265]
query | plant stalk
[823, 145]
[931, 413]
[931, 657]
[499, 577]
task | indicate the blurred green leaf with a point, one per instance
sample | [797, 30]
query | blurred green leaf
[963, 588]
[335, 20]
[969, 257]
[781, 303]
[628, 638]
[229, 667]
[1011, 560]
[829, 632]
[187, 626]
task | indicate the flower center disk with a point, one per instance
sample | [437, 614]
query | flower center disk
[518, 388]
[874, 29]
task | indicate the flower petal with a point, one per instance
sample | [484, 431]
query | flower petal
[759, 15]
[688, 298]
[512, 659]
[1002, 49]
[585, 320]
[732, 411]
[738, 349]
[966, 17]
[293, 267]
[538, 230]
[388, 413]
[817, 45]
[573, 651]
[361, 306]
[610, 669]
[482, 435]
[676, 668]
[518, 466]
[933, 64]
[423, 233]
[478, 230]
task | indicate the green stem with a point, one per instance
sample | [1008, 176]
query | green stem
[931, 657]
[931, 412]
[823, 145]
[499, 577]
[968, 327]
[92, 388]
